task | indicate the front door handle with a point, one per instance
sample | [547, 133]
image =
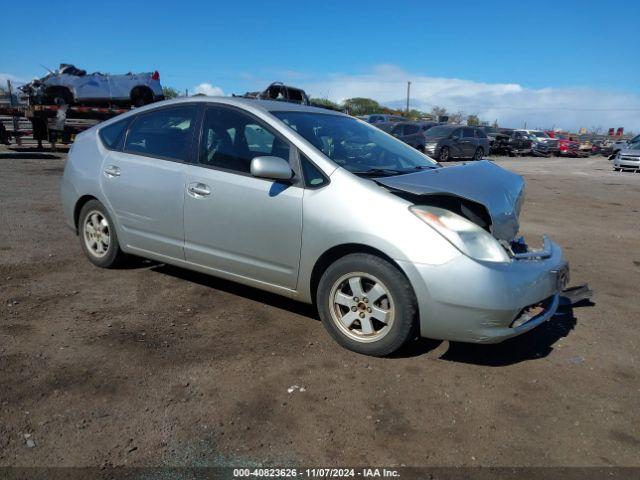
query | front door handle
[112, 171]
[198, 190]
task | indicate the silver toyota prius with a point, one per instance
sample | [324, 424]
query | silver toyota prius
[320, 207]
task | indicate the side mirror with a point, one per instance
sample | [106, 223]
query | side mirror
[455, 137]
[275, 168]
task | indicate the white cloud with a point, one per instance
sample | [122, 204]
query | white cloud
[510, 103]
[208, 89]
[14, 80]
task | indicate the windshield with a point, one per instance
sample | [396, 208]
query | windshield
[539, 134]
[441, 131]
[354, 145]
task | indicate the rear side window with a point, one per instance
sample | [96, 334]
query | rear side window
[165, 133]
[468, 132]
[111, 135]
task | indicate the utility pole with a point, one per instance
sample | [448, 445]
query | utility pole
[408, 93]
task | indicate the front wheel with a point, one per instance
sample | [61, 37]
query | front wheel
[444, 154]
[98, 237]
[367, 305]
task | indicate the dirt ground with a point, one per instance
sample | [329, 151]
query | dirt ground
[154, 365]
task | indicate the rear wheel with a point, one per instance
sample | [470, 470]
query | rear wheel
[444, 154]
[479, 154]
[367, 304]
[98, 237]
[141, 96]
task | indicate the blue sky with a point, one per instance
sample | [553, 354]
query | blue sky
[542, 61]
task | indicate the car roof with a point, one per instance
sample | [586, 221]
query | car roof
[252, 103]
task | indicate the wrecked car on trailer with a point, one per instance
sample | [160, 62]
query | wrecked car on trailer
[323, 208]
[72, 86]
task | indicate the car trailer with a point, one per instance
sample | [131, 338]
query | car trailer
[53, 123]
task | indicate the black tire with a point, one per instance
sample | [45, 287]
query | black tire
[141, 97]
[444, 154]
[479, 153]
[60, 97]
[113, 256]
[404, 325]
[420, 148]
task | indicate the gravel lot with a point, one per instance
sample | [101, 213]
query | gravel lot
[153, 365]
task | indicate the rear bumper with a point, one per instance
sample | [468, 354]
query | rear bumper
[482, 302]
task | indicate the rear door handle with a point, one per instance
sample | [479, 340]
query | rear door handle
[112, 171]
[198, 190]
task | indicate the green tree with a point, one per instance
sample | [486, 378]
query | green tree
[361, 106]
[170, 92]
[324, 102]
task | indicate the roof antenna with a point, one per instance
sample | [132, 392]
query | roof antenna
[47, 69]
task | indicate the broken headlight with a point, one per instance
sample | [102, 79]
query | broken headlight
[466, 236]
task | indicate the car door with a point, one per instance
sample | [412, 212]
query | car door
[468, 142]
[456, 143]
[93, 86]
[144, 182]
[234, 222]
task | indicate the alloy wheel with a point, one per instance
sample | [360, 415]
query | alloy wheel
[97, 234]
[361, 307]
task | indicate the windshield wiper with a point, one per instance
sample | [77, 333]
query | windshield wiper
[376, 172]
[424, 167]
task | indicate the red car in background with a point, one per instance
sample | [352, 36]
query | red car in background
[567, 146]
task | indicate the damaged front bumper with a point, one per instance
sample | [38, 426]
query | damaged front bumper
[468, 300]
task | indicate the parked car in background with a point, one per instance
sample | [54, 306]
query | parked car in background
[619, 145]
[411, 133]
[542, 144]
[568, 146]
[602, 147]
[492, 133]
[282, 93]
[382, 117]
[448, 142]
[512, 142]
[72, 86]
[628, 158]
[248, 190]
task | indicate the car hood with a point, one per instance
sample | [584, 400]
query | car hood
[631, 152]
[498, 190]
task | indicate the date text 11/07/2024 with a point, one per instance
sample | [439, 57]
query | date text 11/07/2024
[316, 472]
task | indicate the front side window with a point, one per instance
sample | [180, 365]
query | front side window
[439, 131]
[111, 135]
[165, 133]
[231, 139]
[480, 133]
[355, 146]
